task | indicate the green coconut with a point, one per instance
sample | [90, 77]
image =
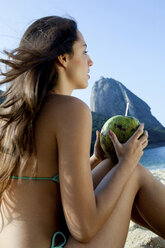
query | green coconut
[123, 126]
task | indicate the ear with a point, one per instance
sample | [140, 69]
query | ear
[63, 60]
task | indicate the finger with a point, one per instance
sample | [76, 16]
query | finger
[96, 140]
[138, 132]
[145, 144]
[144, 137]
[97, 134]
[114, 139]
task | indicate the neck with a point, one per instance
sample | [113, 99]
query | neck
[62, 86]
[61, 92]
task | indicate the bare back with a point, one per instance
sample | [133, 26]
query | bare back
[31, 211]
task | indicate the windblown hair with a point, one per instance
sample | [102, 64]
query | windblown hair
[31, 74]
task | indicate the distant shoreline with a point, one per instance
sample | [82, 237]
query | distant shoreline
[154, 157]
[150, 146]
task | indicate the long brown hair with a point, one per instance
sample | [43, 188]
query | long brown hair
[31, 74]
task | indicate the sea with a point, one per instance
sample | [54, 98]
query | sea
[154, 158]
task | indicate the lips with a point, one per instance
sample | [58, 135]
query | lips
[88, 74]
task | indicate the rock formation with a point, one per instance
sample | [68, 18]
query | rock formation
[109, 97]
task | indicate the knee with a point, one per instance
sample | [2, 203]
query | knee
[143, 174]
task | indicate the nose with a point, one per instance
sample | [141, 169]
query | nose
[90, 62]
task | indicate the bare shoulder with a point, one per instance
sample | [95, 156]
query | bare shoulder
[62, 108]
[67, 102]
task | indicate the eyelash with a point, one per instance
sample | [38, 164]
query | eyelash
[86, 52]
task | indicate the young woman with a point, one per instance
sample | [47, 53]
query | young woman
[52, 193]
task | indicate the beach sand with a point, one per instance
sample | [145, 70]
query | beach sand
[139, 237]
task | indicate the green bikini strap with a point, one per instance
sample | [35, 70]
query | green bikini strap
[61, 244]
[54, 178]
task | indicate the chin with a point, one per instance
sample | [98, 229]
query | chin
[83, 85]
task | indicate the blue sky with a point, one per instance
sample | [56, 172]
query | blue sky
[125, 38]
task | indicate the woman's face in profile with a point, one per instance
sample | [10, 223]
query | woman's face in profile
[79, 64]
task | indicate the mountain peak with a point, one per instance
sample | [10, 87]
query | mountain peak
[109, 97]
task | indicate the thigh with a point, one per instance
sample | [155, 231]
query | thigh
[114, 232]
[150, 202]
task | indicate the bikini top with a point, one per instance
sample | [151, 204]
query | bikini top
[55, 178]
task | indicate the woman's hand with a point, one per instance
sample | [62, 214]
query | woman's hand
[98, 151]
[132, 150]
[98, 154]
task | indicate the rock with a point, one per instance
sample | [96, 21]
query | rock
[109, 97]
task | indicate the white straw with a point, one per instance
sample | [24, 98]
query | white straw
[126, 111]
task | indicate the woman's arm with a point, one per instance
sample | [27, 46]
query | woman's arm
[99, 167]
[94, 161]
[98, 153]
[101, 170]
[87, 210]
